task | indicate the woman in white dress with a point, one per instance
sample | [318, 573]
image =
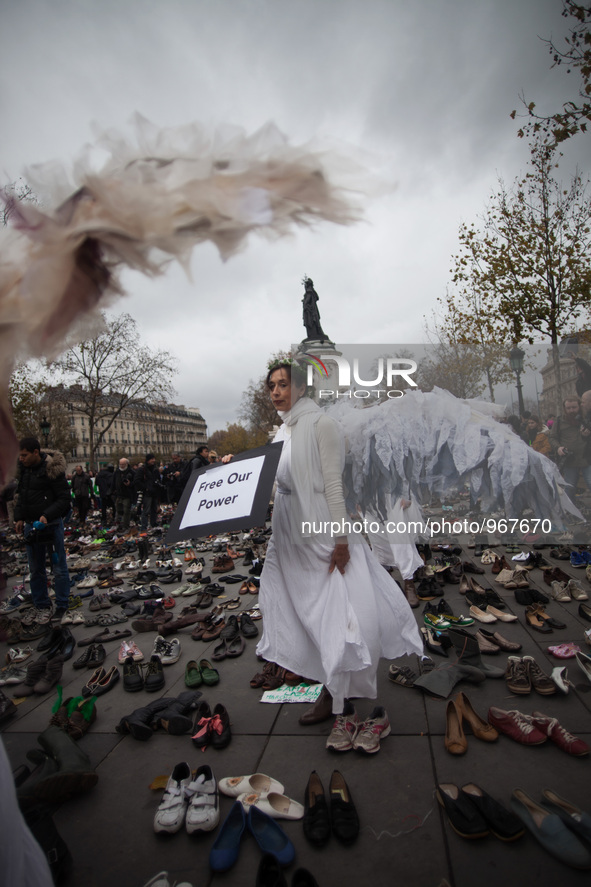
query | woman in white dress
[330, 609]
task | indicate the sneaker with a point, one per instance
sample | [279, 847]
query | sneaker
[172, 810]
[577, 592]
[561, 737]
[402, 675]
[344, 729]
[203, 812]
[375, 728]
[133, 680]
[18, 654]
[540, 681]
[154, 679]
[517, 676]
[12, 674]
[516, 725]
[168, 651]
[11, 605]
[559, 592]
[43, 616]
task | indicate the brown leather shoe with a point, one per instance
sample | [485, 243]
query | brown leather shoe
[455, 738]
[410, 593]
[320, 711]
[485, 645]
[480, 728]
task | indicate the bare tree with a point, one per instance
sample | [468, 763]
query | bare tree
[113, 369]
[30, 403]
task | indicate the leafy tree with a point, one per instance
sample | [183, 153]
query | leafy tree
[575, 55]
[465, 335]
[236, 439]
[30, 402]
[526, 270]
[113, 369]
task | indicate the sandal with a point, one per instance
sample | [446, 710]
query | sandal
[232, 604]
[259, 679]
[275, 680]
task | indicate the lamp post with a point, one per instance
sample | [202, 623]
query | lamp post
[45, 425]
[516, 356]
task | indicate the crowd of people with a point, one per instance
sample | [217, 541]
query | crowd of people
[137, 488]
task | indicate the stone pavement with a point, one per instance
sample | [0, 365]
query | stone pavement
[405, 838]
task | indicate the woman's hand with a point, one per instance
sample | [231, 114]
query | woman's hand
[340, 557]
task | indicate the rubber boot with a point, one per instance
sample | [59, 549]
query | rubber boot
[139, 722]
[468, 652]
[441, 681]
[174, 719]
[66, 773]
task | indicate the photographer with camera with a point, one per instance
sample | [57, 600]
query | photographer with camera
[147, 485]
[173, 477]
[42, 502]
[568, 443]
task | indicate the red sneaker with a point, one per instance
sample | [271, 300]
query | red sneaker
[561, 737]
[518, 726]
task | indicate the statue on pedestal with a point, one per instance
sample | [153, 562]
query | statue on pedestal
[311, 314]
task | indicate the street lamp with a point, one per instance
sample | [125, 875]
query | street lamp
[516, 356]
[45, 425]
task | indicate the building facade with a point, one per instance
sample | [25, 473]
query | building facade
[162, 429]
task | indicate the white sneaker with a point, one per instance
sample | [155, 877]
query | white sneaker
[173, 806]
[168, 651]
[203, 813]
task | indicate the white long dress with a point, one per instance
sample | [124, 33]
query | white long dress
[327, 626]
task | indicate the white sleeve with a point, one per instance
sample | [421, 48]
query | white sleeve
[329, 437]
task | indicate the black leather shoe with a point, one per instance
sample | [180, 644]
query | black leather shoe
[270, 873]
[345, 822]
[247, 626]
[316, 816]
[83, 660]
[98, 654]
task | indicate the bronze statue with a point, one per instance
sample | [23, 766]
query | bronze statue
[311, 313]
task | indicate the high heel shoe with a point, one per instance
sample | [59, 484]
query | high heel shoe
[455, 738]
[480, 728]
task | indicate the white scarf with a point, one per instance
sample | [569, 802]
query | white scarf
[306, 470]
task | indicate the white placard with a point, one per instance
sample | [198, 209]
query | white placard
[223, 493]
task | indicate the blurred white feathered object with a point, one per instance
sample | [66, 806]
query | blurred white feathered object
[154, 198]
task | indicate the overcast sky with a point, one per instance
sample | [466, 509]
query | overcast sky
[427, 87]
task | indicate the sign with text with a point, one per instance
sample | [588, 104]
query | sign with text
[225, 498]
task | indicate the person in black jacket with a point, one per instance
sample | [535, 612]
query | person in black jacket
[82, 491]
[122, 492]
[43, 495]
[147, 485]
[104, 482]
[200, 460]
[173, 477]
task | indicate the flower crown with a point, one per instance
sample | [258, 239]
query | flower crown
[282, 362]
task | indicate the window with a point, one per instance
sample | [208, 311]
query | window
[74, 453]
